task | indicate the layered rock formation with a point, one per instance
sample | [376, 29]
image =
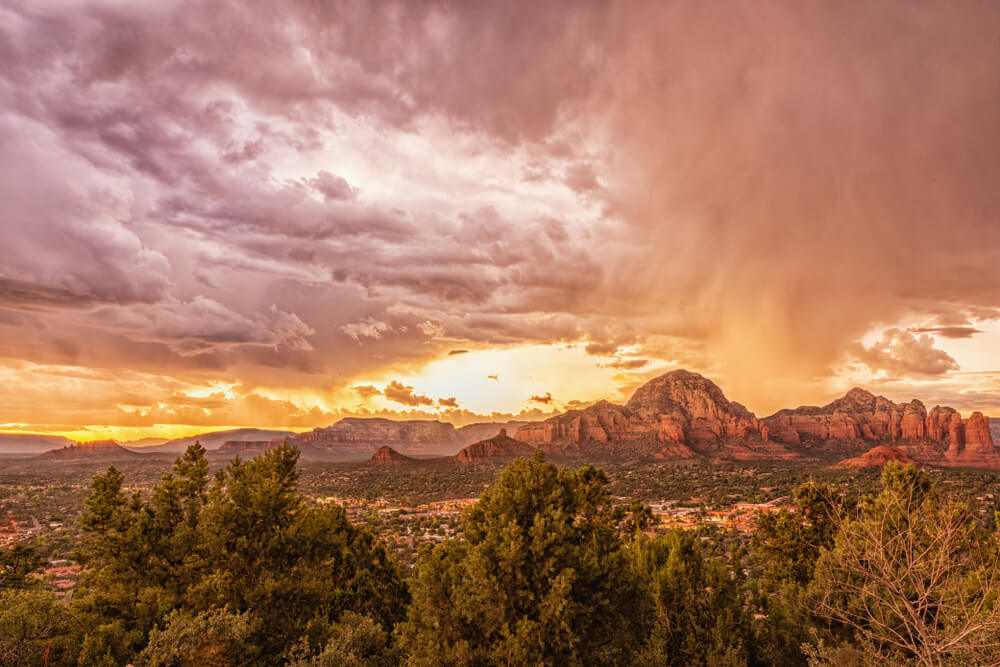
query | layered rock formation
[858, 416]
[684, 415]
[360, 437]
[877, 457]
[860, 419]
[498, 448]
[387, 456]
[677, 415]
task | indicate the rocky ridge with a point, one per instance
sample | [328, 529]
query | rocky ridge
[677, 415]
[860, 419]
[684, 415]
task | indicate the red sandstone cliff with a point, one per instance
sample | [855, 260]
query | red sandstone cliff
[684, 415]
[861, 419]
[677, 415]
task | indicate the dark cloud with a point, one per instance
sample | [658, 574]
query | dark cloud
[601, 349]
[333, 187]
[452, 353]
[545, 399]
[280, 195]
[367, 390]
[627, 364]
[582, 178]
[448, 402]
[949, 332]
[399, 393]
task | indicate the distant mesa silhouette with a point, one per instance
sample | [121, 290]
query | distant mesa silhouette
[95, 449]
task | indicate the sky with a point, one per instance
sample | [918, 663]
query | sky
[220, 213]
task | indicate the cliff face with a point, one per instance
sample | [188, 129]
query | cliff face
[498, 448]
[361, 437]
[861, 419]
[677, 415]
[684, 415]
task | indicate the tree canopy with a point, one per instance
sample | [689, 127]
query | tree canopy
[541, 576]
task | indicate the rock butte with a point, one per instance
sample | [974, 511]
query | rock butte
[877, 457]
[499, 447]
[386, 455]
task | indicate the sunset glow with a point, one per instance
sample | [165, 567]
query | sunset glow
[220, 215]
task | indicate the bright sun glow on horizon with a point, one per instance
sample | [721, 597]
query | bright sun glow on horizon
[565, 372]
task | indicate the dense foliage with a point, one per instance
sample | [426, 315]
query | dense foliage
[541, 577]
[239, 568]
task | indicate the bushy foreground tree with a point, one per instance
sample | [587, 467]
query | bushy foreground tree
[32, 622]
[244, 556]
[241, 570]
[700, 616]
[541, 576]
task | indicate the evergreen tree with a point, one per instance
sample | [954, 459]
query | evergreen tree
[700, 615]
[198, 554]
[16, 564]
[33, 621]
[540, 577]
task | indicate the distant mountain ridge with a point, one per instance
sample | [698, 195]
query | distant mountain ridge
[211, 440]
[103, 449]
[30, 443]
[358, 437]
[684, 415]
[678, 415]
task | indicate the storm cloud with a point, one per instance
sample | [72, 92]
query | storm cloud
[300, 200]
